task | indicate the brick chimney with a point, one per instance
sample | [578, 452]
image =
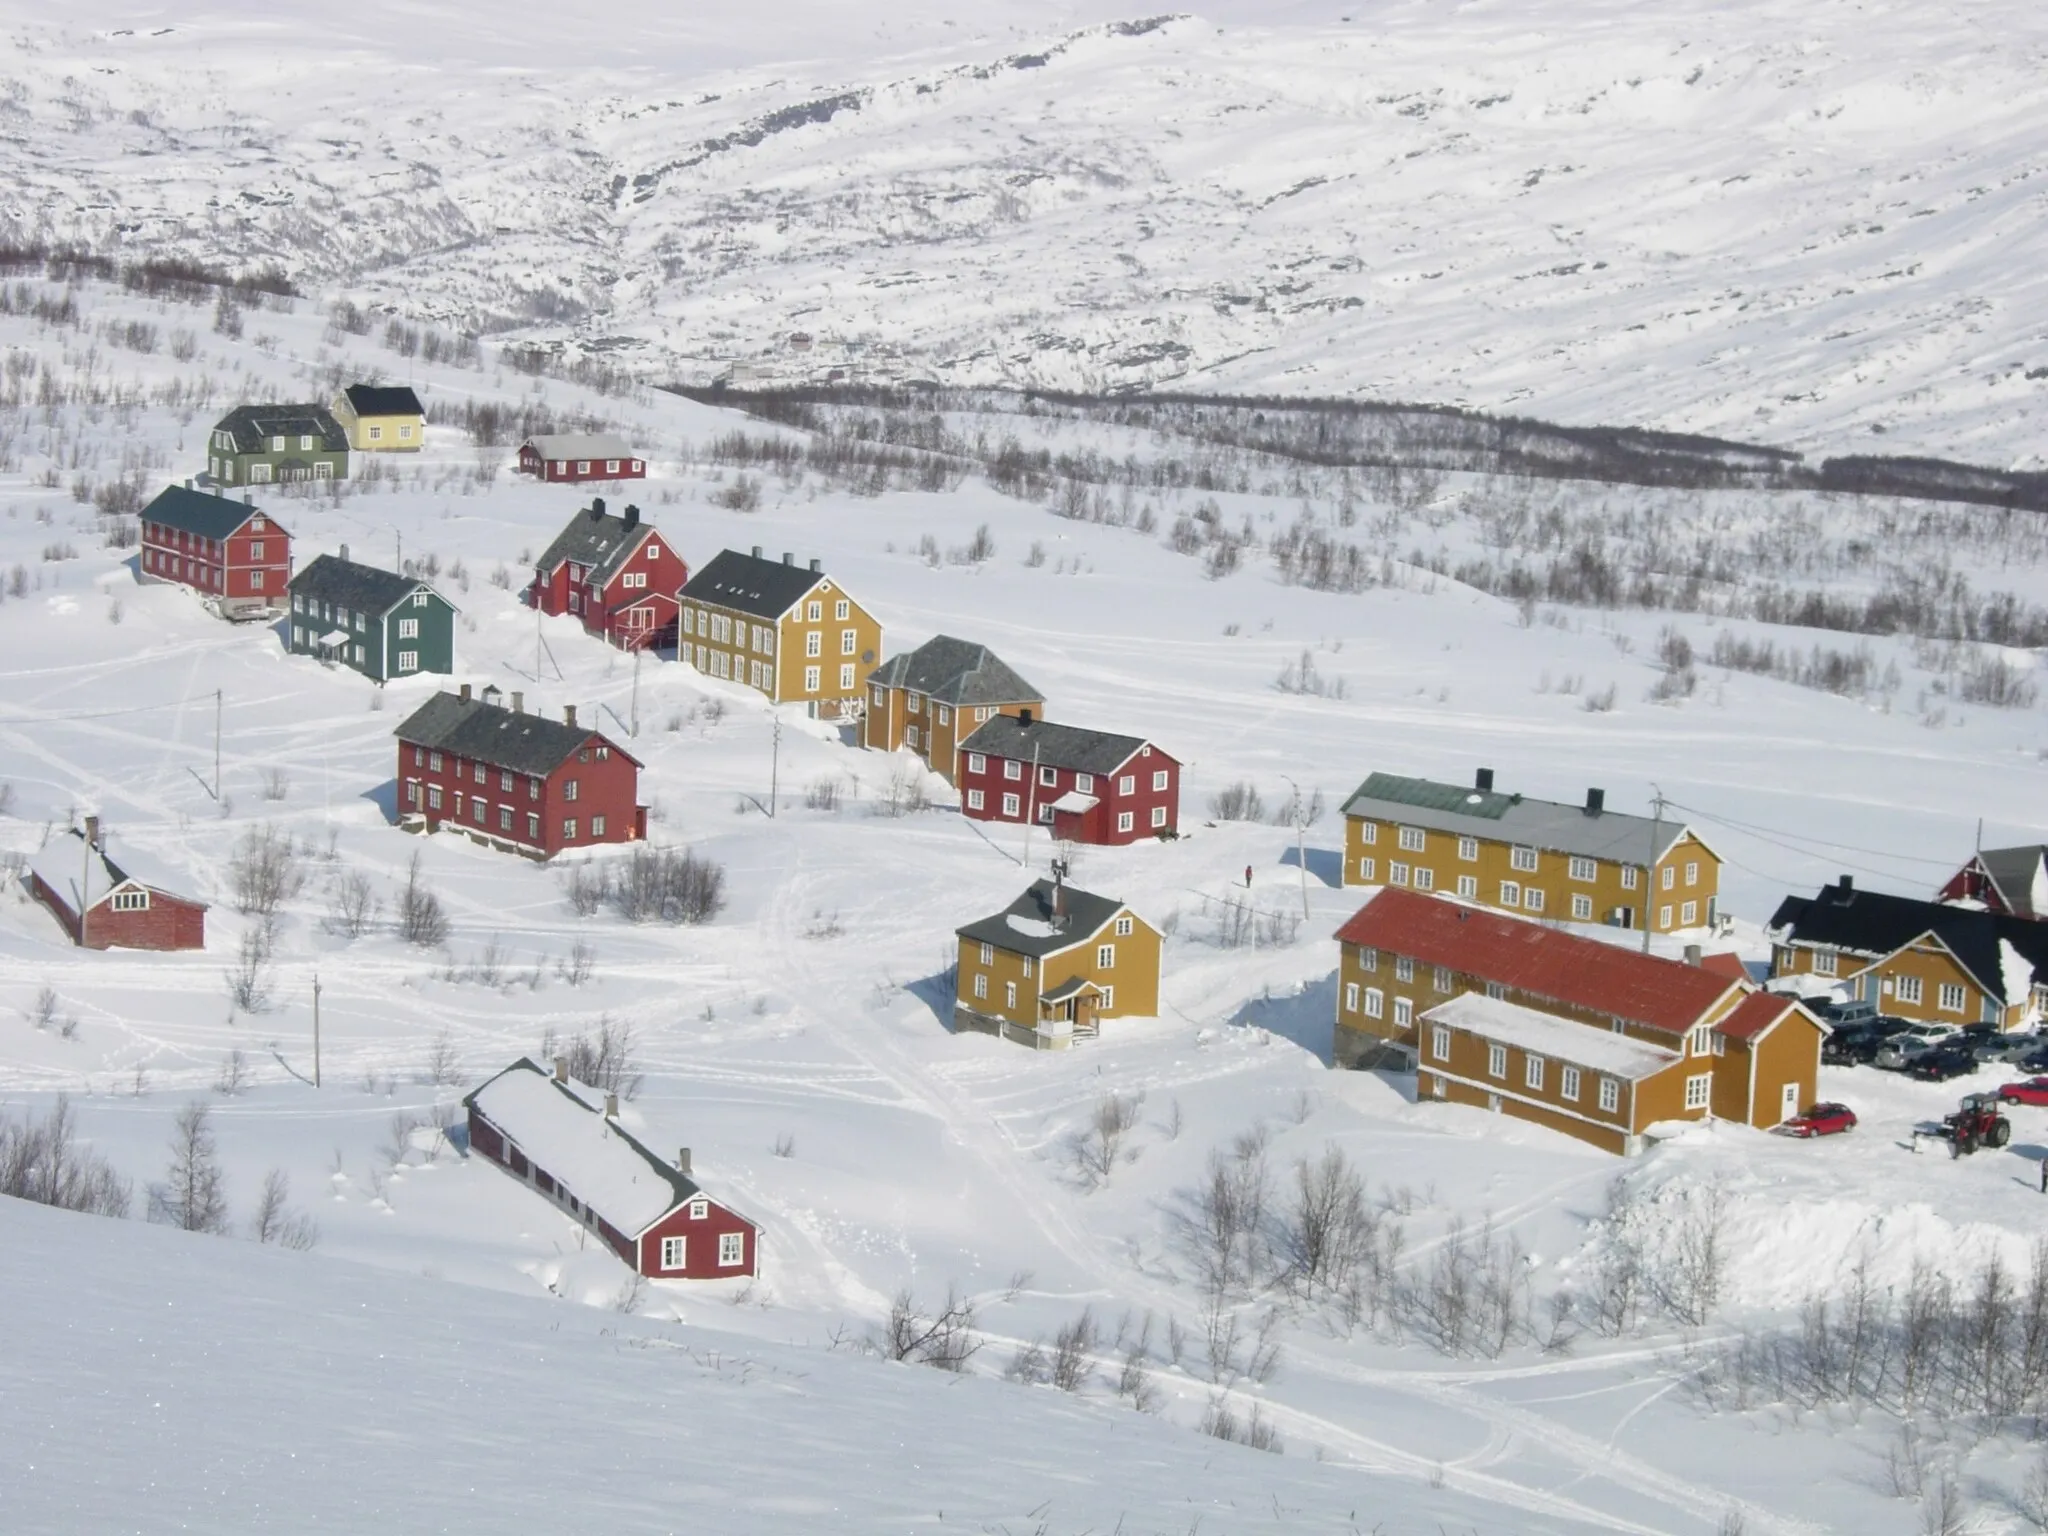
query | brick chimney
[568, 714]
[92, 831]
[465, 693]
[683, 1162]
[518, 702]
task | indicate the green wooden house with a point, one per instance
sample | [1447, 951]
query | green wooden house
[381, 625]
[277, 444]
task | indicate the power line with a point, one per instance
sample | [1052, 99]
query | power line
[101, 714]
[1777, 842]
[1818, 842]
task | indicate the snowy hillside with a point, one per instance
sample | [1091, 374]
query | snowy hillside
[1801, 221]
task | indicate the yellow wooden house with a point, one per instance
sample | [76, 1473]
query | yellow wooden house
[1536, 858]
[788, 631]
[381, 418]
[1048, 968]
[933, 698]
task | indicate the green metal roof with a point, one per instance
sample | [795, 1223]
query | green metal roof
[1462, 799]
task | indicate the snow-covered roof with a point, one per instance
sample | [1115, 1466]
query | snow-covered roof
[1545, 1034]
[1073, 800]
[594, 1158]
[580, 445]
[67, 869]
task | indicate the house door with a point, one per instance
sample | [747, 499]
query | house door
[1788, 1102]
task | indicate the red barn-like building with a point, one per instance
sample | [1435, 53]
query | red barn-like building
[104, 904]
[1087, 786]
[573, 457]
[513, 780]
[616, 574]
[563, 1138]
[237, 558]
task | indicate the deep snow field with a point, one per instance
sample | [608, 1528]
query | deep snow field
[812, 1009]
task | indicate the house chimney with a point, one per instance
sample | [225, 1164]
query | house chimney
[248, 500]
[465, 693]
[757, 551]
[1483, 780]
[518, 702]
[817, 566]
[344, 553]
[561, 1069]
[1596, 801]
[1847, 885]
[1692, 954]
[597, 509]
[683, 1162]
[188, 482]
[632, 516]
[568, 714]
[788, 558]
[611, 1106]
[1024, 715]
[92, 831]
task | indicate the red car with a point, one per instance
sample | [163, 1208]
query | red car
[1821, 1120]
[2033, 1091]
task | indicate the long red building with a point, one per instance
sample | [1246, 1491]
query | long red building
[516, 781]
[238, 558]
[1086, 786]
[616, 574]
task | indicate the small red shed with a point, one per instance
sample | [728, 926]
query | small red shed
[616, 574]
[238, 558]
[1087, 786]
[574, 457]
[513, 780]
[564, 1139]
[103, 904]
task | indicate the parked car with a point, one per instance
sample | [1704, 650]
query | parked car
[2001, 1046]
[2033, 1091]
[1851, 1045]
[1940, 1062]
[2034, 1061]
[1828, 1119]
[1856, 1011]
[1899, 1050]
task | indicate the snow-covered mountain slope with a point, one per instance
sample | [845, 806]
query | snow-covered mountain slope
[1808, 221]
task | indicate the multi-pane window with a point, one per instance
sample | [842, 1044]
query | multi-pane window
[1412, 839]
[841, 609]
[1670, 876]
[1011, 805]
[1468, 848]
[1532, 898]
[1568, 1083]
[1351, 997]
[1397, 873]
[1698, 1089]
[1951, 997]
[848, 642]
[1689, 914]
[1692, 873]
[1442, 979]
[1123, 927]
[597, 826]
[1629, 876]
[1510, 894]
[1523, 859]
[1532, 1073]
[1583, 869]
[672, 1251]
[569, 829]
[1012, 769]
[1404, 967]
[1610, 1095]
[1375, 1003]
[1909, 989]
[1158, 817]
[732, 1249]
[1159, 779]
[1425, 879]
[1582, 908]
[131, 901]
[1496, 1061]
[1369, 832]
[974, 800]
[1367, 870]
[1404, 1012]
[988, 954]
[981, 987]
[815, 612]
[1368, 959]
[814, 644]
[1105, 957]
[1468, 887]
[1702, 1039]
[1824, 962]
[1440, 1043]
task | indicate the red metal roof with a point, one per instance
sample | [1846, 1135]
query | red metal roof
[1585, 973]
[1727, 963]
[1757, 1014]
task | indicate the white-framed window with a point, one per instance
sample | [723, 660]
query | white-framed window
[1105, 957]
[1582, 868]
[672, 1251]
[1441, 981]
[1664, 917]
[1404, 1012]
[404, 431]
[1510, 894]
[1522, 858]
[1425, 879]
[1368, 959]
[1582, 908]
[1468, 887]
[1123, 927]
[1532, 898]
[1532, 1073]
[306, 442]
[1012, 769]
[1108, 998]
[814, 644]
[1670, 876]
[1951, 997]
[980, 987]
[815, 612]
[1610, 1095]
[849, 642]
[841, 609]
[1689, 914]
[572, 789]
[846, 683]
[256, 549]
[1630, 875]
[1397, 872]
[1699, 1089]
[1824, 962]
[1568, 1084]
[1440, 1043]
[977, 763]
[1468, 848]
[1412, 840]
[408, 629]
[1367, 869]
[1368, 832]
[1404, 967]
[1158, 817]
[1497, 1061]
[408, 661]
[569, 829]
[974, 800]
[1048, 777]
[1908, 989]
[945, 715]
[1375, 1003]
[1127, 785]
[1692, 873]
[131, 901]
[732, 1249]
[1351, 997]
[1084, 783]
[1009, 994]
[597, 826]
[988, 954]
[811, 678]
[611, 466]
[533, 826]
[1702, 1040]
[1012, 806]
[419, 599]
[700, 1210]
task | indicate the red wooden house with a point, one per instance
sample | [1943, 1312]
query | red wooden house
[616, 574]
[103, 904]
[237, 558]
[2012, 882]
[513, 780]
[574, 457]
[1087, 786]
[563, 1138]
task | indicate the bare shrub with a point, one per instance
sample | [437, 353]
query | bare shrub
[1600, 701]
[670, 885]
[589, 887]
[1072, 1350]
[352, 905]
[444, 1062]
[1221, 1423]
[1327, 1226]
[1098, 1148]
[193, 1192]
[743, 495]
[1239, 801]
[421, 918]
[822, 795]
[905, 793]
[580, 964]
[944, 1338]
[249, 983]
[785, 1145]
[602, 1058]
[264, 871]
[41, 1160]
[275, 1221]
[1989, 679]
[276, 784]
[234, 1074]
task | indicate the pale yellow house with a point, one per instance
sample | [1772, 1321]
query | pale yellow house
[787, 630]
[380, 418]
[1048, 968]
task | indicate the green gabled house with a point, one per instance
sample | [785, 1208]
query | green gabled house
[380, 624]
[276, 445]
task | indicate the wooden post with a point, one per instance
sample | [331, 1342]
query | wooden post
[316, 1029]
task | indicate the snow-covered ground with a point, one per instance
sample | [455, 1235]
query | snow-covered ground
[1805, 221]
[797, 1044]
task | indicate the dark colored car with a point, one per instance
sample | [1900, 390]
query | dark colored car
[1999, 1045]
[1941, 1062]
[1855, 1012]
[1821, 1120]
[1853, 1045]
[2033, 1091]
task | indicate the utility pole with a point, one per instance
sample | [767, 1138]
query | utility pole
[636, 691]
[216, 746]
[1031, 805]
[774, 765]
[1650, 874]
[1300, 842]
[316, 1029]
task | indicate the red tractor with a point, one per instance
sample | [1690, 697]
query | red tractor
[1977, 1122]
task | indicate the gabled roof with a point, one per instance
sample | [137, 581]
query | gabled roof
[2018, 875]
[1545, 1034]
[1728, 964]
[383, 400]
[765, 589]
[956, 672]
[1876, 924]
[363, 588]
[597, 539]
[254, 425]
[1071, 747]
[1545, 824]
[1028, 925]
[581, 445]
[201, 514]
[595, 1158]
[1761, 1012]
[504, 738]
[1584, 973]
[69, 870]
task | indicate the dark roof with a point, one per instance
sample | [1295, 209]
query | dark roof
[364, 588]
[1548, 824]
[199, 513]
[253, 424]
[767, 589]
[1027, 927]
[2014, 871]
[504, 738]
[956, 672]
[1877, 923]
[597, 539]
[1056, 746]
[383, 400]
